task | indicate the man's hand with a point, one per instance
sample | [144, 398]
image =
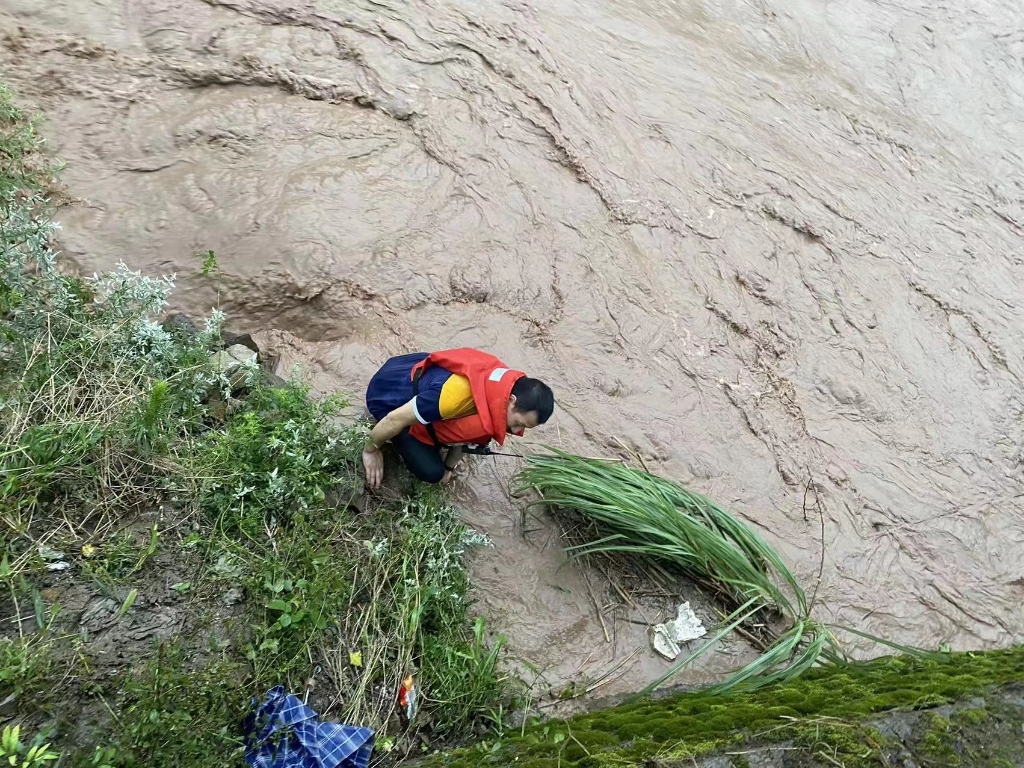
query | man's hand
[386, 428]
[373, 463]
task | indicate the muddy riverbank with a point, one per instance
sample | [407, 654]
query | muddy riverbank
[768, 246]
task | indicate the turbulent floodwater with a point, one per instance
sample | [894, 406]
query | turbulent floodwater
[762, 243]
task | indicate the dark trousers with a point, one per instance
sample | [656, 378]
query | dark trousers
[423, 460]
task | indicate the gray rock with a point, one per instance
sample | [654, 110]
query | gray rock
[276, 381]
[717, 761]
[9, 706]
[231, 339]
[269, 360]
[234, 362]
[232, 597]
[180, 324]
[97, 612]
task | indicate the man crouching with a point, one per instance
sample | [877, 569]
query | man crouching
[426, 403]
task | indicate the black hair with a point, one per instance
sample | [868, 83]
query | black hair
[534, 395]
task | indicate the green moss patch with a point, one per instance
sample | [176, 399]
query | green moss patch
[826, 713]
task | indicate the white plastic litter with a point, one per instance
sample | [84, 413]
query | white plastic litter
[669, 636]
[48, 553]
[55, 561]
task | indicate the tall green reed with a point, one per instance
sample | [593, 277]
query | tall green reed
[642, 514]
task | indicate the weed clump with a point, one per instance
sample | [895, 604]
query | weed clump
[277, 458]
[174, 713]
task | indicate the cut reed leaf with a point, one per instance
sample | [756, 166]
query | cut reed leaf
[909, 650]
[647, 515]
[641, 514]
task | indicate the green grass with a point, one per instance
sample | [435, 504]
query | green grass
[172, 712]
[26, 664]
[112, 456]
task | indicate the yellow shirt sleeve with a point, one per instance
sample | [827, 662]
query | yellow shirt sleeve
[456, 398]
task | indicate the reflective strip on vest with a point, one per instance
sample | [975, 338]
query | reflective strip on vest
[497, 373]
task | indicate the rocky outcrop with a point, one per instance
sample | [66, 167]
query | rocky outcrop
[236, 363]
[236, 356]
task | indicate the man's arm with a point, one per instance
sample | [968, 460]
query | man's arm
[392, 424]
[385, 429]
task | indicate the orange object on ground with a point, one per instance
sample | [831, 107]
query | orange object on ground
[407, 697]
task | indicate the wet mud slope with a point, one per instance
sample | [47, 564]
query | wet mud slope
[775, 248]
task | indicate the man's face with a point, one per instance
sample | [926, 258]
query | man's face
[517, 420]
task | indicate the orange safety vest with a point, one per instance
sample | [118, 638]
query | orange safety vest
[490, 382]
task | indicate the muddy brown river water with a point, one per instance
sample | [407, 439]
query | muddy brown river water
[756, 241]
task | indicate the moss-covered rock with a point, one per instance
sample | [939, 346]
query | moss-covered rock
[827, 716]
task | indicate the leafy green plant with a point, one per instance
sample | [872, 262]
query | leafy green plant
[18, 755]
[25, 664]
[274, 458]
[288, 604]
[26, 170]
[465, 677]
[208, 263]
[177, 713]
[102, 757]
[295, 610]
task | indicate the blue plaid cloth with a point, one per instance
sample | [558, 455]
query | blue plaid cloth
[282, 732]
